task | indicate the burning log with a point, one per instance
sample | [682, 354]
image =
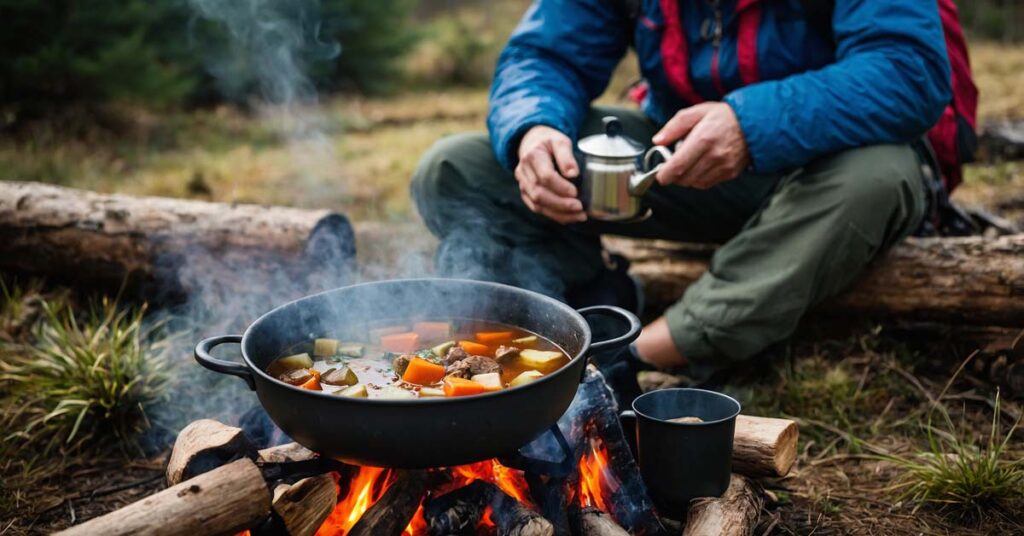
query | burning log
[145, 242]
[459, 511]
[594, 522]
[225, 500]
[970, 280]
[392, 513]
[205, 445]
[304, 505]
[514, 519]
[764, 446]
[735, 513]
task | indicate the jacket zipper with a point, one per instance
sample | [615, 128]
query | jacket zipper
[716, 43]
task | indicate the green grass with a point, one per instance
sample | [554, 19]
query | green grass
[959, 474]
[81, 380]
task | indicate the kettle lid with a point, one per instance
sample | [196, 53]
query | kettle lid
[612, 143]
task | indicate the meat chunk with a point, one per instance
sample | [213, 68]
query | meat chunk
[506, 353]
[473, 365]
[455, 354]
[401, 363]
[342, 376]
[296, 376]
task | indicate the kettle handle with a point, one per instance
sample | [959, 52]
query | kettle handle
[640, 183]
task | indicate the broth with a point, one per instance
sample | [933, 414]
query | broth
[454, 357]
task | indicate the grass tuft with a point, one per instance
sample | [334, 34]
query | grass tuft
[80, 379]
[958, 475]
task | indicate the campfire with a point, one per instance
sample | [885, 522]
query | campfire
[578, 479]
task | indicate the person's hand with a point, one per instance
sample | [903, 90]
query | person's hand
[544, 187]
[714, 149]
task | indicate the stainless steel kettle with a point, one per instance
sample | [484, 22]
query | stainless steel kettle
[615, 173]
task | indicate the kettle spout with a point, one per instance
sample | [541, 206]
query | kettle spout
[641, 182]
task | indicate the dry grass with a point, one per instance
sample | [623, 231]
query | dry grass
[999, 74]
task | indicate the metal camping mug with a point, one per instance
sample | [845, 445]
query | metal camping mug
[616, 173]
[681, 461]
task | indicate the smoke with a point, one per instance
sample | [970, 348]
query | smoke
[268, 47]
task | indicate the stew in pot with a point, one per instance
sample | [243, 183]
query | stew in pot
[425, 359]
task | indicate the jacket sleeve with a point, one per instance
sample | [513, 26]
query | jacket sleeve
[557, 61]
[889, 84]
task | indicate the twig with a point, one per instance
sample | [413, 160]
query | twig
[122, 487]
[969, 397]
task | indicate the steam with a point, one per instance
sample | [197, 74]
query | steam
[272, 44]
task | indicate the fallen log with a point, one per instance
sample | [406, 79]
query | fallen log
[735, 513]
[148, 243]
[972, 280]
[204, 445]
[459, 511]
[391, 514]
[226, 500]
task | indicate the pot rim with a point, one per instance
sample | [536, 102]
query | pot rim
[739, 407]
[418, 401]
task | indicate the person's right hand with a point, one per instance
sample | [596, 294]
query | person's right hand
[545, 189]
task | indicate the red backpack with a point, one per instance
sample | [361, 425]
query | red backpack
[954, 137]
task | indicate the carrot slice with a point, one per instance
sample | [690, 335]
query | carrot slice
[433, 331]
[401, 343]
[475, 348]
[313, 384]
[494, 337]
[423, 372]
[454, 386]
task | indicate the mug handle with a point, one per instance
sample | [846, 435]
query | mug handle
[203, 357]
[627, 419]
[617, 342]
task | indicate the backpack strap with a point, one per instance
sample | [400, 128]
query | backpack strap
[628, 11]
[819, 16]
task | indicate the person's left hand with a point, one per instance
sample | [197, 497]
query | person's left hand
[714, 149]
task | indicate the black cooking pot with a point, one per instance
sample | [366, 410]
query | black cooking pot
[415, 433]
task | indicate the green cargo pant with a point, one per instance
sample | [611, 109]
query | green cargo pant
[789, 241]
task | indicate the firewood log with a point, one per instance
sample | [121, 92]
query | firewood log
[204, 445]
[226, 500]
[289, 452]
[514, 519]
[594, 522]
[970, 280]
[735, 513]
[763, 446]
[391, 514]
[109, 239]
[304, 505]
[459, 511]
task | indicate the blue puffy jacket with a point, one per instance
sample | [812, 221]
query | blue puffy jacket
[882, 78]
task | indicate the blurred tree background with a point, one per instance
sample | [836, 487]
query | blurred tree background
[58, 53]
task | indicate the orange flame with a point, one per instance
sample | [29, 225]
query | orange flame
[595, 479]
[368, 484]
[365, 488]
[511, 481]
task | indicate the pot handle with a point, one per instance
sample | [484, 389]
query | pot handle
[621, 340]
[204, 358]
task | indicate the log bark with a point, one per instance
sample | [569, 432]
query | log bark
[459, 511]
[289, 452]
[226, 500]
[513, 519]
[304, 505]
[147, 242]
[594, 522]
[764, 446]
[391, 514]
[971, 280]
[204, 445]
[735, 513]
